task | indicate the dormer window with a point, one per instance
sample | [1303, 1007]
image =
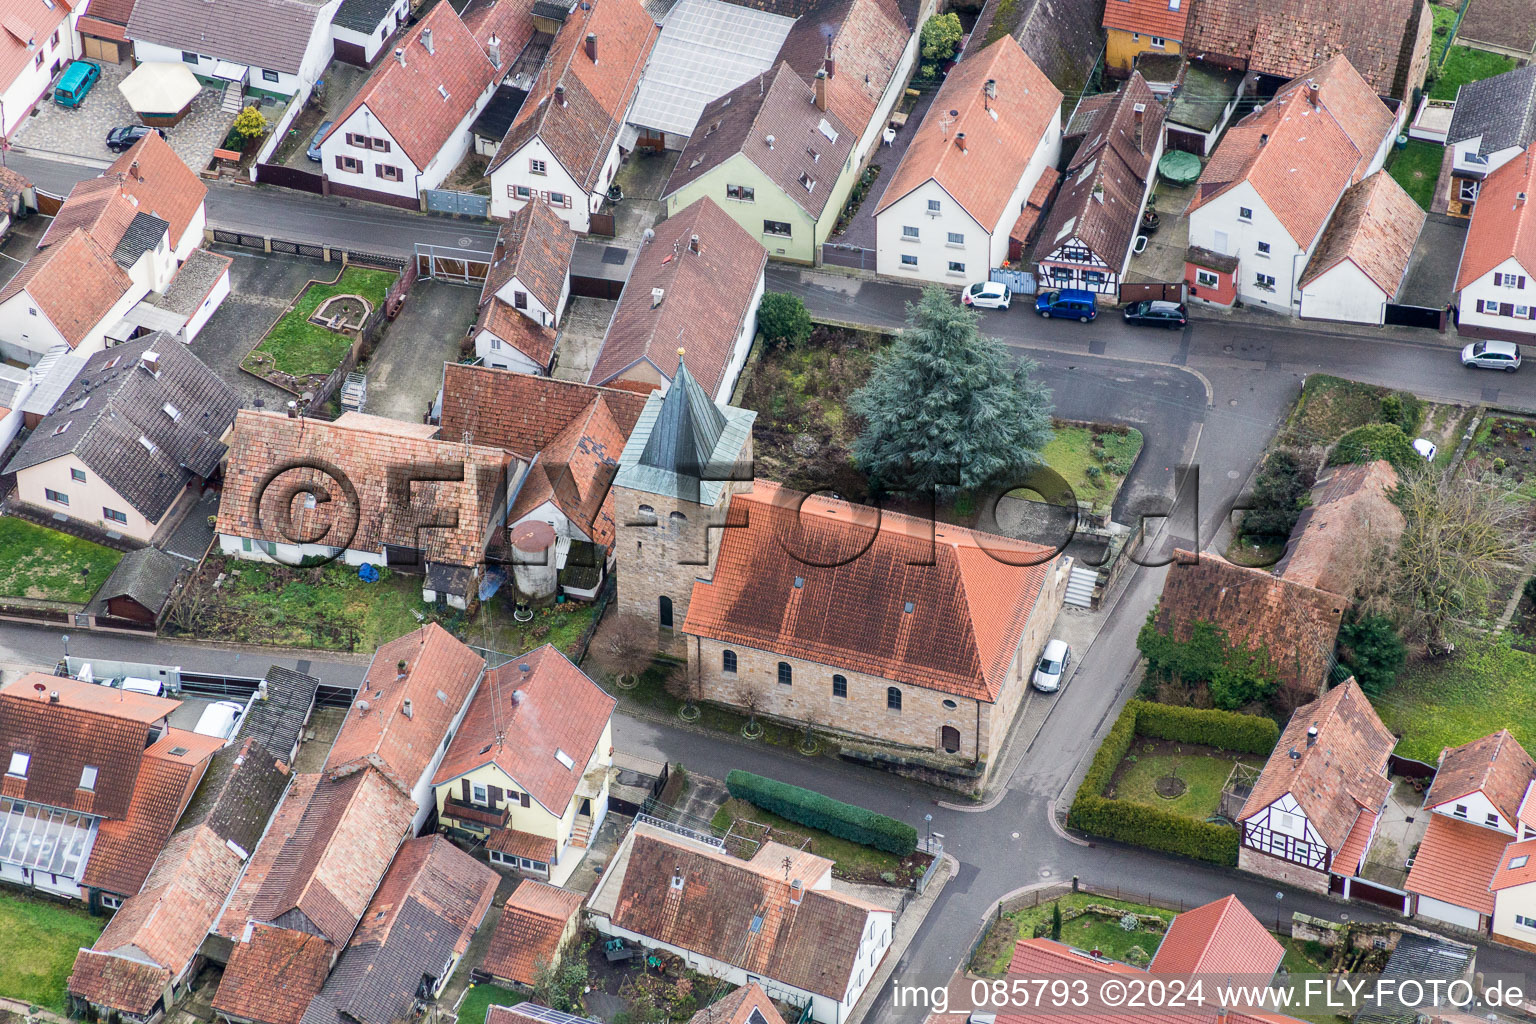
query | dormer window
[566, 761]
[19, 763]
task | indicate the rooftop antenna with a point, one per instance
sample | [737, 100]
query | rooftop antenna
[947, 120]
[786, 867]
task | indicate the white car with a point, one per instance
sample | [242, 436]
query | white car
[1492, 355]
[987, 295]
[1051, 666]
[1425, 447]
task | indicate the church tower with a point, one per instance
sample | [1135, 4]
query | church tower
[685, 459]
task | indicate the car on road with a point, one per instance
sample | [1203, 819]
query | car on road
[123, 138]
[1492, 355]
[75, 82]
[1157, 313]
[1051, 666]
[1068, 303]
[987, 295]
[313, 152]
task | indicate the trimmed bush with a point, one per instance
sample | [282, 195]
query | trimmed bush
[1154, 829]
[1375, 441]
[817, 810]
[1209, 727]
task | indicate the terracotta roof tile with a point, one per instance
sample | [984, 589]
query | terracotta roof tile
[1339, 776]
[1375, 228]
[285, 821]
[969, 608]
[748, 1004]
[1495, 765]
[867, 44]
[125, 984]
[532, 921]
[272, 975]
[1001, 133]
[1351, 511]
[575, 472]
[74, 282]
[153, 174]
[561, 709]
[513, 843]
[1297, 623]
[518, 331]
[1456, 863]
[1165, 18]
[1221, 937]
[368, 450]
[1347, 861]
[522, 413]
[36, 22]
[535, 246]
[1503, 225]
[100, 207]
[1512, 870]
[707, 298]
[510, 21]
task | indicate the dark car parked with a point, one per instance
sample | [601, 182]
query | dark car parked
[122, 139]
[1157, 313]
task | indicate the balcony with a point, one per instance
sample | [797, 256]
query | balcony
[458, 809]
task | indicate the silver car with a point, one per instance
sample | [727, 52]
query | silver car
[1492, 355]
[1052, 666]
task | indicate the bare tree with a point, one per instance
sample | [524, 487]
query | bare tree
[631, 646]
[1462, 541]
[752, 696]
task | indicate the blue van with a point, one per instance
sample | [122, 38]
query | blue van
[75, 83]
[1073, 303]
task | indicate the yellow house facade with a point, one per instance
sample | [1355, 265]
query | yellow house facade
[1122, 47]
[1135, 27]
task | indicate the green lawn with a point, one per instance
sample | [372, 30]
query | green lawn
[849, 859]
[1416, 167]
[1093, 462]
[1486, 686]
[1204, 772]
[1089, 931]
[1331, 406]
[41, 940]
[1444, 17]
[296, 346]
[1464, 64]
[45, 565]
[479, 998]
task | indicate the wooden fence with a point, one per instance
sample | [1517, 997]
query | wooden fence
[290, 177]
[1173, 291]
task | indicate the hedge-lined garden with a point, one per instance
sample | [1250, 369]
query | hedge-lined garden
[1153, 827]
[846, 821]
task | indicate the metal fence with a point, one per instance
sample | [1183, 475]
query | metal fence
[290, 177]
[459, 204]
[319, 251]
[1172, 291]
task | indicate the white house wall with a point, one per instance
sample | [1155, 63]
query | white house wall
[1517, 899]
[495, 352]
[1344, 293]
[1217, 227]
[286, 84]
[1478, 808]
[1483, 288]
[87, 498]
[515, 171]
[932, 248]
[192, 235]
[32, 83]
[216, 296]
[1439, 910]
[743, 346]
[536, 310]
[362, 122]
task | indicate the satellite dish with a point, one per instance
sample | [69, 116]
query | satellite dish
[648, 235]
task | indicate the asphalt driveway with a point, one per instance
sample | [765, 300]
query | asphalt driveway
[406, 370]
[261, 286]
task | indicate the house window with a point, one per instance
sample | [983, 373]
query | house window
[1469, 191]
[537, 167]
[1474, 157]
[55, 40]
[741, 193]
[57, 497]
[1244, 213]
[1525, 922]
[560, 199]
[39, 61]
[951, 705]
[1158, 42]
[1093, 277]
[839, 686]
[1263, 248]
[956, 238]
[666, 612]
[933, 206]
[1523, 312]
[728, 662]
[188, 57]
[893, 698]
[389, 172]
[776, 227]
[1493, 819]
[351, 164]
[114, 515]
[1264, 281]
[786, 674]
[268, 76]
[78, 475]
[519, 300]
[88, 777]
[1509, 280]
[19, 762]
[1206, 279]
[477, 794]
[909, 232]
[909, 260]
[110, 902]
[519, 192]
[1461, 810]
[956, 267]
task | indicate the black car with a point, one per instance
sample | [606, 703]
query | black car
[122, 139]
[1157, 313]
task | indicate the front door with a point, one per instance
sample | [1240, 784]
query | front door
[586, 807]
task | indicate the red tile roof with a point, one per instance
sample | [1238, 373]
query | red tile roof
[532, 921]
[374, 513]
[740, 1007]
[1351, 512]
[575, 472]
[1221, 937]
[1347, 861]
[1375, 228]
[421, 102]
[99, 206]
[1512, 870]
[535, 246]
[24, 25]
[707, 299]
[285, 821]
[513, 843]
[522, 413]
[522, 333]
[442, 878]
[868, 39]
[969, 608]
[1001, 133]
[1456, 863]
[272, 975]
[119, 982]
[1339, 776]
[74, 282]
[1495, 765]
[153, 174]
[560, 709]
[1503, 225]
[1165, 18]
[509, 21]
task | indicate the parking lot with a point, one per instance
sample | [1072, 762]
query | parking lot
[82, 131]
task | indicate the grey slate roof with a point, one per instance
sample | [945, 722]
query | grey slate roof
[1062, 37]
[143, 234]
[499, 113]
[1501, 109]
[238, 794]
[277, 722]
[362, 15]
[270, 34]
[113, 418]
[193, 282]
[1202, 97]
[685, 446]
[146, 575]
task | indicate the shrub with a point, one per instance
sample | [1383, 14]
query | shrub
[1403, 409]
[249, 124]
[1374, 652]
[1153, 828]
[846, 821]
[940, 38]
[1137, 957]
[1375, 441]
[1236, 674]
[1279, 494]
[1209, 727]
[783, 320]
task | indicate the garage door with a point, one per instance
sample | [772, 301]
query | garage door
[1449, 913]
[101, 49]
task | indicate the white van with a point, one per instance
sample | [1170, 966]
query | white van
[219, 719]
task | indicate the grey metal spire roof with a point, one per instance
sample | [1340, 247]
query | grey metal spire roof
[684, 445]
[687, 428]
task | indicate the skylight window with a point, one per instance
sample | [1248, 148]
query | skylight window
[1066, 229]
[19, 763]
[757, 923]
[808, 181]
[442, 91]
[178, 751]
[59, 430]
[149, 445]
[910, 608]
[80, 404]
[799, 582]
[1519, 862]
[171, 411]
[826, 129]
[565, 759]
[88, 777]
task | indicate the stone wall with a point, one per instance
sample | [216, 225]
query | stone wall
[1037, 631]
[1257, 863]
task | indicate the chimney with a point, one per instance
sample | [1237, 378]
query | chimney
[960, 140]
[769, 140]
[1312, 92]
[657, 294]
[796, 892]
[53, 697]
[133, 171]
[517, 697]
[493, 47]
[821, 89]
[1312, 734]
[406, 709]
[560, 95]
[829, 63]
[426, 39]
[151, 361]
[400, 672]
[592, 46]
[693, 244]
[990, 88]
[400, 56]
[1263, 138]
[293, 410]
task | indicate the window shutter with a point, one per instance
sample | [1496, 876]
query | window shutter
[465, 783]
[523, 799]
[339, 165]
[1498, 279]
[1521, 284]
[495, 795]
[382, 145]
[378, 170]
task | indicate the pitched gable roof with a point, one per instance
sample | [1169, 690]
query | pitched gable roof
[1165, 18]
[421, 102]
[97, 205]
[24, 22]
[152, 173]
[937, 606]
[866, 39]
[532, 921]
[1495, 765]
[278, 721]
[284, 822]
[560, 710]
[574, 472]
[1456, 863]
[1298, 624]
[521, 413]
[1336, 776]
[273, 974]
[748, 1004]
[1512, 870]
[146, 434]
[119, 982]
[509, 21]
[74, 282]
[1001, 133]
[271, 34]
[535, 246]
[1221, 937]
[1351, 512]
[1500, 112]
[707, 296]
[1375, 228]
[1503, 225]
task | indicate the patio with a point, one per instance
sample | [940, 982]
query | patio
[1163, 259]
[1398, 833]
[861, 230]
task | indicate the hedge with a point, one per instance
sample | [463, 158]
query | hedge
[846, 821]
[1152, 827]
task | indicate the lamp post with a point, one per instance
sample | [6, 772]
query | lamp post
[65, 638]
[928, 842]
[1278, 897]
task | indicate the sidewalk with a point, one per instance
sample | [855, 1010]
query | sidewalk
[907, 925]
